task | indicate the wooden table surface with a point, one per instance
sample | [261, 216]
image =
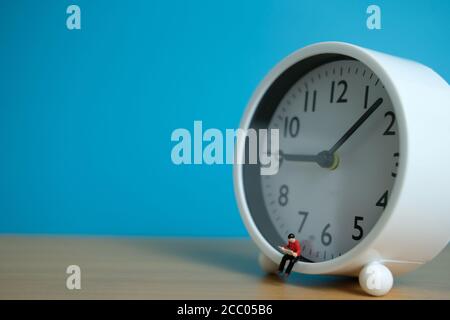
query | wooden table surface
[174, 268]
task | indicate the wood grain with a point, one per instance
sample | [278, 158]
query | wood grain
[156, 268]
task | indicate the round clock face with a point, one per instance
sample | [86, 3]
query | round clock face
[339, 152]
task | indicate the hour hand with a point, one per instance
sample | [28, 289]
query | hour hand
[325, 159]
[298, 157]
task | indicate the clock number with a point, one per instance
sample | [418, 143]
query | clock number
[358, 227]
[304, 215]
[366, 97]
[326, 237]
[396, 155]
[291, 126]
[313, 101]
[383, 201]
[341, 98]
[283, 198]
[389, 131]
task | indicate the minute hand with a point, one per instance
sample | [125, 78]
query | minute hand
[357, 124]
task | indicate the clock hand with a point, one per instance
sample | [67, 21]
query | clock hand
[325, 159]
[298, 157]
[356, 125]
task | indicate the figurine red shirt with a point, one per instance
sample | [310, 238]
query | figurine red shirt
[294, 246]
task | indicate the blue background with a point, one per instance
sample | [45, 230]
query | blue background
[86, 116]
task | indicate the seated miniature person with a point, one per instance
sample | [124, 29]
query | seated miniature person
[291, 252]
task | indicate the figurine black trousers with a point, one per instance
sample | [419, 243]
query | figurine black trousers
[292, 261]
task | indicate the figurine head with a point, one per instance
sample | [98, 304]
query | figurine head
[291, 237]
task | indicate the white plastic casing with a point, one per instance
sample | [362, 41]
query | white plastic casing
[415, 225]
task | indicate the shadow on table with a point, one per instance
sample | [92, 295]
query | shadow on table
[239, 255]
[320, 282]
[228, 254]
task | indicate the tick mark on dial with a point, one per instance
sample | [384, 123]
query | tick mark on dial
[364, 73]
[378, 80]
[356, 71]
[394, 174]
[371, 75]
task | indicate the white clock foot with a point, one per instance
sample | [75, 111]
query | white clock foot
[376, 279]
[266, 264]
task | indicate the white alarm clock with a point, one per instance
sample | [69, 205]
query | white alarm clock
[364, 174]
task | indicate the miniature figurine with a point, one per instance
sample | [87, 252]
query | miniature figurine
[291, 252]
